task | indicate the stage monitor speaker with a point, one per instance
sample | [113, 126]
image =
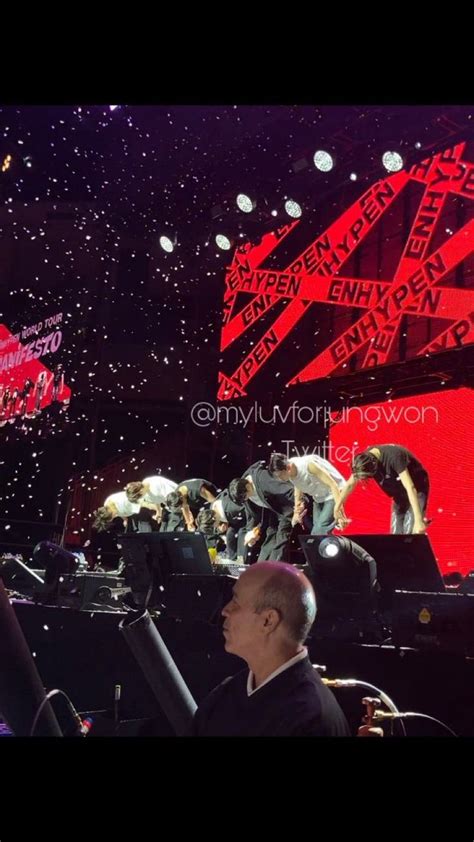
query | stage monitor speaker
[150, 560]
[404, 562]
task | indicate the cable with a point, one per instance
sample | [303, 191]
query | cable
[46, 699]
[381, 714]
[353, 682]
[92, 606]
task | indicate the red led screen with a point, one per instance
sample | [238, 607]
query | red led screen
[437, 429]
[419, 285]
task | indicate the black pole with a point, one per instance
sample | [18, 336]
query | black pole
[21, 688]
[161, 672]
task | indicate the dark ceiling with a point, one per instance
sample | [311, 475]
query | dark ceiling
[163, 166]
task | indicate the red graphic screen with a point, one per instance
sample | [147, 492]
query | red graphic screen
[419, 286]
[27, 385]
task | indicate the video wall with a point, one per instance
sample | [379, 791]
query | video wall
[437, 428]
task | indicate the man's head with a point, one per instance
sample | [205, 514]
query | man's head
[174, 500]
[205, 522]
[103, 518]
[239, 490]
[272, 609]
[365, 465]
[134, 491]
[280, 467]
[208, 491]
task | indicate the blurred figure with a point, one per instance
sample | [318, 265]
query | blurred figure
[40, 390]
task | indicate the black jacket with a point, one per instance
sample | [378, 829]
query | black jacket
[278, 496]
[295, 703]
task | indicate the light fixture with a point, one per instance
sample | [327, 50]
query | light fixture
[323, 161]
[344, 576]
[293, 209]
[223, 242]
[392, 161]
[245, 203]
[167, 244]
[329, 548]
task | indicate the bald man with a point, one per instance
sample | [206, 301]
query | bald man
[266, 623]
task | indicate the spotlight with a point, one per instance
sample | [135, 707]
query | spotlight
[353, 176]
[245, 203]
[6, 163]
[167, 244]
[344, 576]
[323, 161]
[293, 209]
[329, 548]
[113, 107]
[392, 161]
[223, 242]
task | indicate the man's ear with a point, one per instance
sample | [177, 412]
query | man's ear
[272, 619]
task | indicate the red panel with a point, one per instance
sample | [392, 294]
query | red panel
[437, 429]
[28, 367]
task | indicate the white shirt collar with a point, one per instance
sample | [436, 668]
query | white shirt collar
[250, 680]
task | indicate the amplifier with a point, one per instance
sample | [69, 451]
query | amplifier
[438, 621]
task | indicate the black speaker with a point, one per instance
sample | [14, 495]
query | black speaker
[151, 559]
[404, 562]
